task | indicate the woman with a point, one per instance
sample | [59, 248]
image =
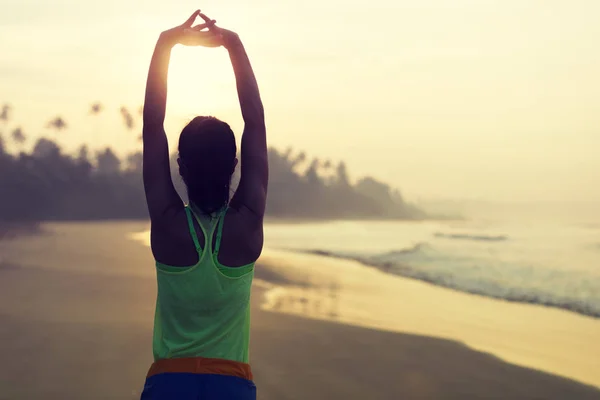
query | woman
[205, 251]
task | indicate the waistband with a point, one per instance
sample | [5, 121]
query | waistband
[201, 365]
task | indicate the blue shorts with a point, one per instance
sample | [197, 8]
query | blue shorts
[193, 386]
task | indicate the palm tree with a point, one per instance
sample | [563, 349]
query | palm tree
[326, 169]
[83, 154]
[96, 108]
[135, 162]
[57, 123]
[108, 162]
[46, 148]
[300, 158]
[312, 173]
[342, 175]
[19, 137]
[5, 113]
[127, 118]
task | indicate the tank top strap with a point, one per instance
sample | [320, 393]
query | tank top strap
[190, 219]
[220, 231]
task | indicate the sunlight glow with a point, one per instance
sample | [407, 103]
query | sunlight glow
[201, 81]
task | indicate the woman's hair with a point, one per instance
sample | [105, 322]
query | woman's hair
[207, 159]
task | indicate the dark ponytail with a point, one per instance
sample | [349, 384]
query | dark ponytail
[207, 152]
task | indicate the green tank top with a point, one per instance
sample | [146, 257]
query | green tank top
[203, 310]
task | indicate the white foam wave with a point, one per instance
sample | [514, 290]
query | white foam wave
[575, 291]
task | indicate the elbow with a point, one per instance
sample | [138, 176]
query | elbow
[254, 114]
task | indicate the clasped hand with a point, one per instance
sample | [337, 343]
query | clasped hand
[206, 34]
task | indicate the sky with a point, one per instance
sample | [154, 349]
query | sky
[461, 99]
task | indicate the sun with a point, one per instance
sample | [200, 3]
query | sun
[201, 81]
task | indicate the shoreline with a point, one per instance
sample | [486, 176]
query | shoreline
[268, 219]
[94, 292]
[530, 335]
[13, 230]
[305, 280]
[387, 269]
[141, 236]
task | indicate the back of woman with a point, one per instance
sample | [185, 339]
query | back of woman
[204, 250]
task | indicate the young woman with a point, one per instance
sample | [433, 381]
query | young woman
[205, 251]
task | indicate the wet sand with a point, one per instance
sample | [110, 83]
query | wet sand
[76, 310]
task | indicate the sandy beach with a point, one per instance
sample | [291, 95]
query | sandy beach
[77, 303]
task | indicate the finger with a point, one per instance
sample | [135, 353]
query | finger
[199, 35]
[214, 29]
[204, 17]
[191, 19]
[202, 26]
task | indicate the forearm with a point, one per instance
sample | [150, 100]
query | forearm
[247, 87]
[155, 102]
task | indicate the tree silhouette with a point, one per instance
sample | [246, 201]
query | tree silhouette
[375, 190]
[45, 148]
[108, 162]
[134, 162]
[83, 154]
[18, 136]
[127, 118]
[5, 113]
[287, 153]
[299, 159]
[57, 124]
[312, 173]
[96, 108]
[83, 165]
[397, 196]
[73, 187]
[342, 175]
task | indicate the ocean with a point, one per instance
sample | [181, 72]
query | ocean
[531, 253]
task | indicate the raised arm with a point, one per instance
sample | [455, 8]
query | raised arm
[161, 196]
[252, 190]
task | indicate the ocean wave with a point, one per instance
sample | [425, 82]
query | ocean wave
[419, 247]
[486, 277]
[466, 236]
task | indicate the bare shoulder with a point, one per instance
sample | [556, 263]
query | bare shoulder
[171, 241]
[242, 239]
